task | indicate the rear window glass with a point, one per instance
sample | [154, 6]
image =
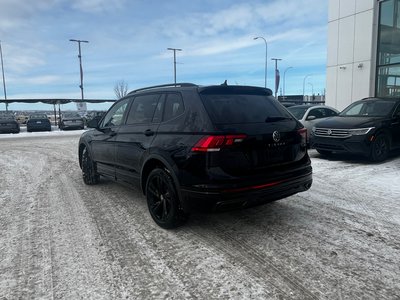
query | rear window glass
[240, 108]
[298, 112]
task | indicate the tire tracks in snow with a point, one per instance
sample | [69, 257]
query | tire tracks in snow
[261, 267]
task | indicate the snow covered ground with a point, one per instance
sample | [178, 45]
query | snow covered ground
[61, 239]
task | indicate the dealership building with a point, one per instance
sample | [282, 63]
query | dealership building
[363, 50]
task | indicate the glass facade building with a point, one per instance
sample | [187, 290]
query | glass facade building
[388, 54]
[363, 50]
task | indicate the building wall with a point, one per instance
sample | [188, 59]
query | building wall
[352, 35]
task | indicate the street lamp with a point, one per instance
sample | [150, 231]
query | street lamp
[284, 75]
[4, 80]
[80, 62]
[304, 83]
[174, 49]
[276, 74]
[266, 57]
[312, 88]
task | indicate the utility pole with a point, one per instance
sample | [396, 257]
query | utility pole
[174, 49]
[4, 80]
[276, 75]
[80, 62]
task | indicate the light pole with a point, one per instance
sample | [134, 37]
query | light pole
[312, 88]
[266, 57]
[284, 75]
[4, 80]
[174, 49]
[80, 62]
[304, 83]
[276, 74]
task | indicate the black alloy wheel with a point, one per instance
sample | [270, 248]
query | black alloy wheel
[89, 174]
[379, 148]
[162, 200]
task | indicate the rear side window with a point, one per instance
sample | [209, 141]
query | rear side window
[241, 108]
[173, 106]
[142, 109]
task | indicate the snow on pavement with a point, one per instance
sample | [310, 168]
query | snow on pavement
[61, 239]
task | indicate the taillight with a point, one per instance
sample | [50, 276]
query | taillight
[303, 134]
[216, 142]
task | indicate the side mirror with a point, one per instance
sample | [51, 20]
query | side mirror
[94, 123]
[310, 118]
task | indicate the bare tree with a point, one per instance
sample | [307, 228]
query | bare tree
[121, 89]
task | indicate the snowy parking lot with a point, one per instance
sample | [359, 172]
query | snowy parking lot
[61, 239]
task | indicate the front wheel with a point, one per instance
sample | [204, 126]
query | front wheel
[163, 201]
[379, 148]
[89, 173]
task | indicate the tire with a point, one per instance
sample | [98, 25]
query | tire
[379, 148]
[163, 200]
[89, 174]
[324, 152]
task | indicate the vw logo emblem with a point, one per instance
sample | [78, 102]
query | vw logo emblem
[329, 132]
[276, 136]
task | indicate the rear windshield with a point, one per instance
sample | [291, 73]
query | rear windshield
[242, 108]
[298, 112]
[71, 115]
[38, 116]
[7, 116]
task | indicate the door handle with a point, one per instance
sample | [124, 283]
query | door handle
[148, 132]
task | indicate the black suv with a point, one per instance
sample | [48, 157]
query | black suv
[370, 127]
[198, 147]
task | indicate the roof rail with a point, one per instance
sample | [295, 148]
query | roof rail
[169, 85]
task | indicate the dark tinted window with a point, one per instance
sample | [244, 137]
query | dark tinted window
[329, 113]
[142, 109]
[38, 116]
[173, 106]
[236, 108]
[322, 113]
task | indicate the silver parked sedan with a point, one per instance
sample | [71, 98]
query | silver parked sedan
[309, 115]
[71, 120]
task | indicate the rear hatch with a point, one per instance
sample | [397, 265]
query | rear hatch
[259, 132]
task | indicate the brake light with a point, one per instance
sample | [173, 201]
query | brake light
[213, 143]
[303, 133]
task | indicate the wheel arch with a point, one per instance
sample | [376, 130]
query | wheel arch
[156, 161]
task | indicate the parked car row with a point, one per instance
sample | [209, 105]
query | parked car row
[10, 123]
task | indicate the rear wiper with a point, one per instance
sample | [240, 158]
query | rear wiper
[276, 118]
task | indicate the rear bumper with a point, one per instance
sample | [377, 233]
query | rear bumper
[38, 127]
[9, 129]
[224, 198]
[69, 124]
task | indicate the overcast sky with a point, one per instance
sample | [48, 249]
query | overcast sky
[128, 41]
